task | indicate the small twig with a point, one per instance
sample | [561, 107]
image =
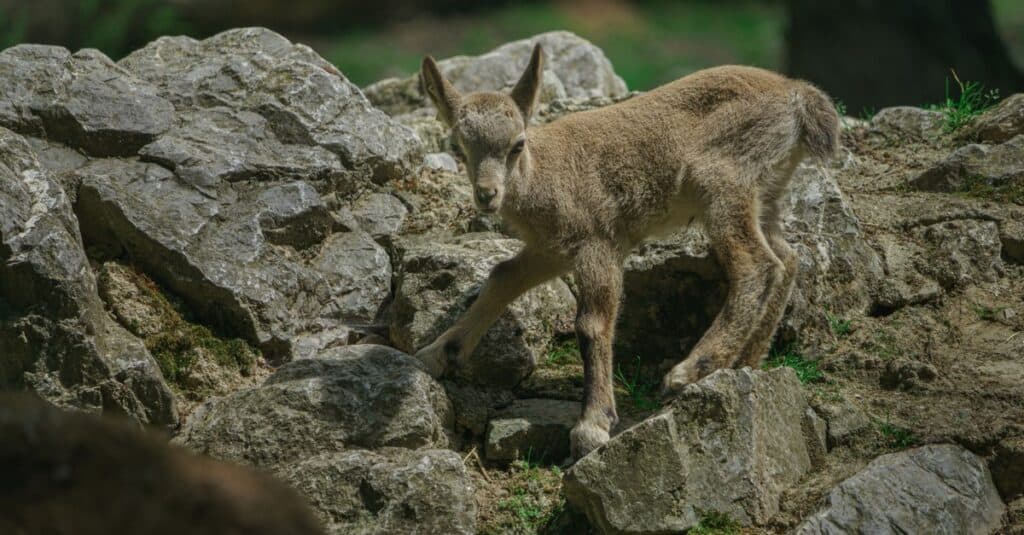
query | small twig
[479, 463]
[1012, 336]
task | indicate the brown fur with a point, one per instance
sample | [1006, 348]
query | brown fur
[716, 147]
[72, 473]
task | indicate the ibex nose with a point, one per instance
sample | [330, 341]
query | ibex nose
[484, 195]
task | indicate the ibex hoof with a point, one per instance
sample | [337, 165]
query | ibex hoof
[676, 380]
[586, 437]
[434, 359]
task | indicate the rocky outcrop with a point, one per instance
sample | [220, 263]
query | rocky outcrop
[437, 280]
[55, 336]
[1001, 123]
[976, 165]
[731, 443]
[934, 489]
[389, 490]
[360, 396]
[574, 68]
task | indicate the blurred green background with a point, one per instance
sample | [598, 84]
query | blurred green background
[649, 42]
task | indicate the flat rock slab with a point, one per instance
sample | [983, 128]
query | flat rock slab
[534, 429]
[390, 490]
[731, 443]
[361, 396]
[976, 165]
[940, 489]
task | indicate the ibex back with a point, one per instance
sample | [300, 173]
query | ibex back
[717, 147]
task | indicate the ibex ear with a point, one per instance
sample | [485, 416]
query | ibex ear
[443, 94]
[528, 87]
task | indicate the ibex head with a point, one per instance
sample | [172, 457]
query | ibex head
[488, 127]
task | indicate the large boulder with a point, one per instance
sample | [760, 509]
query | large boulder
[390, 490]
[933, 489]
[353, 397]
[305, 100]
[55, 336]
[574, 68]
[82, 99]
[437, 280]
[262, 262]
[976, 166]
[731, 443]
[1001, 123]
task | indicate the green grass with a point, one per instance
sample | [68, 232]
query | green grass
[972, 101]
[897, 437]
[840, 107]
[987, 313]
[649, 43]
[563, 352]
[534, 500]
[715, 523]
[840, 326]
[806, 370]
[640, 387]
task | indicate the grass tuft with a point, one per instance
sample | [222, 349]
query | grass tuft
[715, 523]
[973, 101]
[806, 370]
[839, 326]
[564, 352]
[640, 388]
[897, 437]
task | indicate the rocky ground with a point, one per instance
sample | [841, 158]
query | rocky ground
[227, 239]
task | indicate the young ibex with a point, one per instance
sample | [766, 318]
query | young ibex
[716, 147]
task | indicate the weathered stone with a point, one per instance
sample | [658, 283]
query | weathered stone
[960, 252]
[390, 490]
[1001, 123]
[379, 214]
[360, 396]
[305, 100]
[573, 68]
[537, 429]
[933, 489]
[212, 145]
[82, 99]
[976, 165]
[905, 285]
[441, 161]
[261, 263]
[731, 443]
[816, 434]
[845, 420]
[1011, 234]
[907, 121]
[437, 280]
[55, 337]
[1007, 467]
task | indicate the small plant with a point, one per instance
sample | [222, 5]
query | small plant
[867, 113]
[987, 313]
[806, 370]
[715, 523]
[897, 437]
[639, 388]
[979, 187]
[839, 326]
[840, 107]
[973, 100]
[561, 353]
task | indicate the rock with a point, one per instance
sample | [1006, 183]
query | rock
[933, 489]
[435, 282]
[360, 396]
[573, 68]
[262, 264]
[976, 165]
[441, 161]
[379, 214]
[905, 285]
[845, 420]
[55, 336]
[1007, 467]
[82, 99]
[390, 490]
[960, 252]
[816, 434]
[1014, 518]
[220, 144]
[1011, 234]
[907, 122]
[134, 308]
[1001, 123]
[537, 429]
[731, 443]
[474, 405]
[907, 373]
[303, 98]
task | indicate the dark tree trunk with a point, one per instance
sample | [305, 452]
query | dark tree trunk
[875, 53]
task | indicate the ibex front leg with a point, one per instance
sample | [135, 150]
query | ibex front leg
[599, 281]
[507, 281]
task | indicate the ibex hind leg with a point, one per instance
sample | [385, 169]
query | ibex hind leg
[753, 271]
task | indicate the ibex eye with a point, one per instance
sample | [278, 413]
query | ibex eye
[518, 147]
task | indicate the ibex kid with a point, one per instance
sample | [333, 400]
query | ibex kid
[717, 147]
